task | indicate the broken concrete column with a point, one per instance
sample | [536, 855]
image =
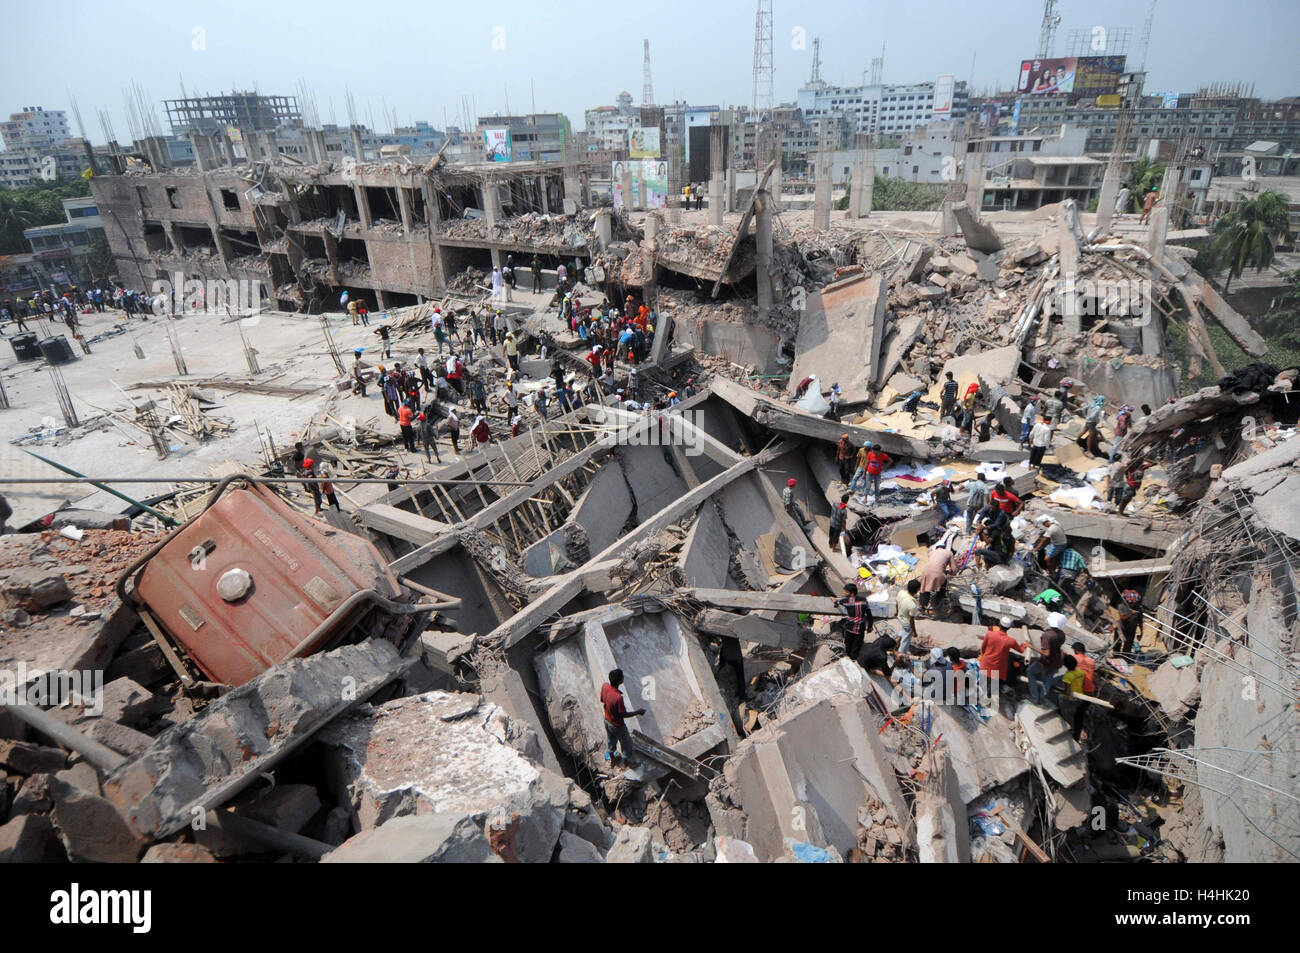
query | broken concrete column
[573, 197]
[979, 235]
[604, 228]
[1110, 186]
[1069, 258]
[634, 845]
[358, 147]
[822, 195]
[763, 247]
[629, 196]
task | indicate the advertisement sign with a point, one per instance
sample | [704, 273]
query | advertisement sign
[654, 182]
[649, 183]
[496, 145]
[1079, 77]
[943, 89]
[643, 143]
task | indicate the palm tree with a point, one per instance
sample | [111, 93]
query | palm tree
[1248, 234]
[1144, 176]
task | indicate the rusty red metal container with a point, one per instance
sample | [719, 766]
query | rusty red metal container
[250, 582]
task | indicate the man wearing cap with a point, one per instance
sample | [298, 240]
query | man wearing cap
[835, 399]
[857, 620]
[308, 469]
[787, 500]
[1051, 544]
[429, 437]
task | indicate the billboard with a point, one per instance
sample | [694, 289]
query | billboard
[496, 145]
[649, 179]
[1079, 77]
[643, 143]
[943, 89]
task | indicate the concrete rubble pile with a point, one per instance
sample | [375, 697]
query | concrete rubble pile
[691, 520]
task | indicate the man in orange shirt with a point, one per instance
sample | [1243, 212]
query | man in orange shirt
[1088, 666]
[995, 650]
[404, 417]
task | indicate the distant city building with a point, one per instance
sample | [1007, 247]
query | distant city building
[536, 137]
[36, 128]
[62, 250]
[885, 110]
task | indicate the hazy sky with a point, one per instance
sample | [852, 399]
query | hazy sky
[420, 58]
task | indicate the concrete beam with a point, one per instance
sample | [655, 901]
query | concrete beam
[979, 235]
[789, 419]
[774, 601]
[400, 523]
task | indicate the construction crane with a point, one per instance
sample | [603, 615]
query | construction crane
[1048, 32]
[1146, 38]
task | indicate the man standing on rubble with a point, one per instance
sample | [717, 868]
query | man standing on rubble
[948, 402]
[536, 266]
[995, 650]
[857, 620]
[844, 454]
[1040, 439]
[1092, 422]
[791, 507]
[1123, 420]
[1128, 621]
[358, 374]
[1003, 496]
[616, 733]
[1027, 419]
[871, 466]
[405, 416]
[1122, 200]
[839, 516]
[429, 437]
[977, 497]
[1148, 204]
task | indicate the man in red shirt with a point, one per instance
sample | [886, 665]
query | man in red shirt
[995, 650]
[1005, 499]
[616, 733]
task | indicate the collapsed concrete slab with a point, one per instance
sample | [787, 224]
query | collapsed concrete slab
[805, 779]
[666, 671]
[840, 334]
[418, 839]
[450, 754]
[203, 762]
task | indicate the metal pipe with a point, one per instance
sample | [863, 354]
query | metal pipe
[244, 828]
[82, 478]
[105, 759]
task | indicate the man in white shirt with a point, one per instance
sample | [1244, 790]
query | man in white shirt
[1040, 438]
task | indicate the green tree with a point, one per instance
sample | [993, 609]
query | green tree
[33, 205]
[1248, 235]
[1144, 176]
